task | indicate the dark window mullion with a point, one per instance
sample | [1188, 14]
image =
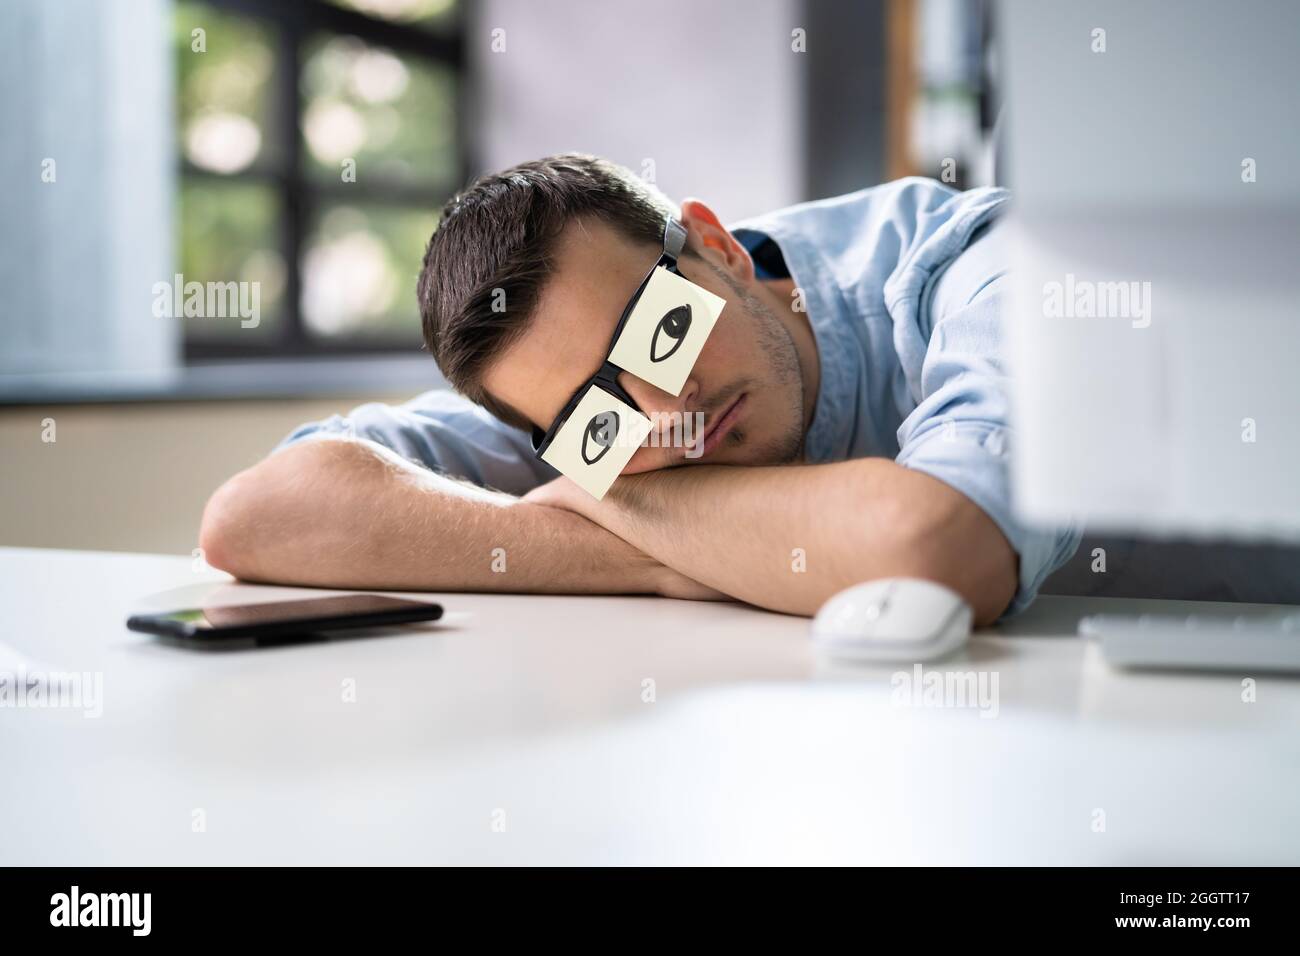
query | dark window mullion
[443, 46]
[466, 95]
[260, 174]
[296, 210]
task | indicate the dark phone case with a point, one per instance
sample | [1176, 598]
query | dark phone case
[184, 634]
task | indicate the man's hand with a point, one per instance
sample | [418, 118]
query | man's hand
[789, 537]
[566, 495]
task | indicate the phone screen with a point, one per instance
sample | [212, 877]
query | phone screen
[281, 612]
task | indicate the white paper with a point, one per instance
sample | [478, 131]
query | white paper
[592, 449]
[653, 345]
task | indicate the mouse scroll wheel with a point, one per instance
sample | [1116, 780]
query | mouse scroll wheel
[874, 611]
[887, 599]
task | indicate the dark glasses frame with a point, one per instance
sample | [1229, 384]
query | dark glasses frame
[606, 378]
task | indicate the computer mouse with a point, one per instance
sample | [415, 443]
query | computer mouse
[893, 619]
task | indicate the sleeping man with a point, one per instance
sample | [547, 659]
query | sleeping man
[647, 401]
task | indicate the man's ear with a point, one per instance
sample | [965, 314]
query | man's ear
[711, 240]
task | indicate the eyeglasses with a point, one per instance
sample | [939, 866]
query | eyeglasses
[658, 339]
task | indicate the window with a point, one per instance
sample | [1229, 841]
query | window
[317, 142]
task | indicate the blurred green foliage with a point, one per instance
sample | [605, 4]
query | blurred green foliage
[386, 120]
[230, 231]
[360, 266]
[394, 115]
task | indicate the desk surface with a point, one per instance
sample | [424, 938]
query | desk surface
[526, 729]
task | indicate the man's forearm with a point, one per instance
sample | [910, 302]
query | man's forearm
[787, 538]
[331, 513]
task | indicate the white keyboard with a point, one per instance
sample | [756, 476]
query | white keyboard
[1198, 642]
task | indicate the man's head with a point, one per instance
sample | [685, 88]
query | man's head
[525, 279]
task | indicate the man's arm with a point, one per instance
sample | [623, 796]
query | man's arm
[749, 531]
[349, 513]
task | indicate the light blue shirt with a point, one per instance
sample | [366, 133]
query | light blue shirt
[905, 287]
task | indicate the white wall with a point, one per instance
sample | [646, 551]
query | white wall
[135, 477]
[710, 91]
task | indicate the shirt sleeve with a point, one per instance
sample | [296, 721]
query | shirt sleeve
[444, 432]
[959, 432]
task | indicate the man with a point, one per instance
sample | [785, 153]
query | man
[855, 422]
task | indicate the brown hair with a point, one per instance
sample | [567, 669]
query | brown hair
[495, 242]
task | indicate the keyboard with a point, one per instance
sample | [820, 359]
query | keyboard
[1264, 642]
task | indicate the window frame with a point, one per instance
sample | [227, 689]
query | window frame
[299, 194]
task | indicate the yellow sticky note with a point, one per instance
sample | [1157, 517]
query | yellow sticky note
[597, 440]
[666, 330]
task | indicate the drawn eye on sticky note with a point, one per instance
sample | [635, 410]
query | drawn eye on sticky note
[666, 331]
[597, 440]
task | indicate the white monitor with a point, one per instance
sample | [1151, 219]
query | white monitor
[1154, 161]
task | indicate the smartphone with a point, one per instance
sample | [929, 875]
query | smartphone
[280, 622]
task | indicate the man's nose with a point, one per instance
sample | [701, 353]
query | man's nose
[656, 402]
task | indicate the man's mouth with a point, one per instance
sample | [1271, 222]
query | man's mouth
[717, 432]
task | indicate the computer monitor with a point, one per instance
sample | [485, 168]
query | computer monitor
[1153, 155]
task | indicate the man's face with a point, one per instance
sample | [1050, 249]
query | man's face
[746, 382]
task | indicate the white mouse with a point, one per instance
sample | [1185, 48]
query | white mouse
[893, 619]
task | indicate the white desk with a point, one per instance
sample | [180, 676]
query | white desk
[752, 751]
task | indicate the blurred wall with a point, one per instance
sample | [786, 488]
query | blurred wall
[135, 477]
[87, 167]
[706, 96]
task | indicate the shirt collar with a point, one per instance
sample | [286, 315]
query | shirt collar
[830, 435]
